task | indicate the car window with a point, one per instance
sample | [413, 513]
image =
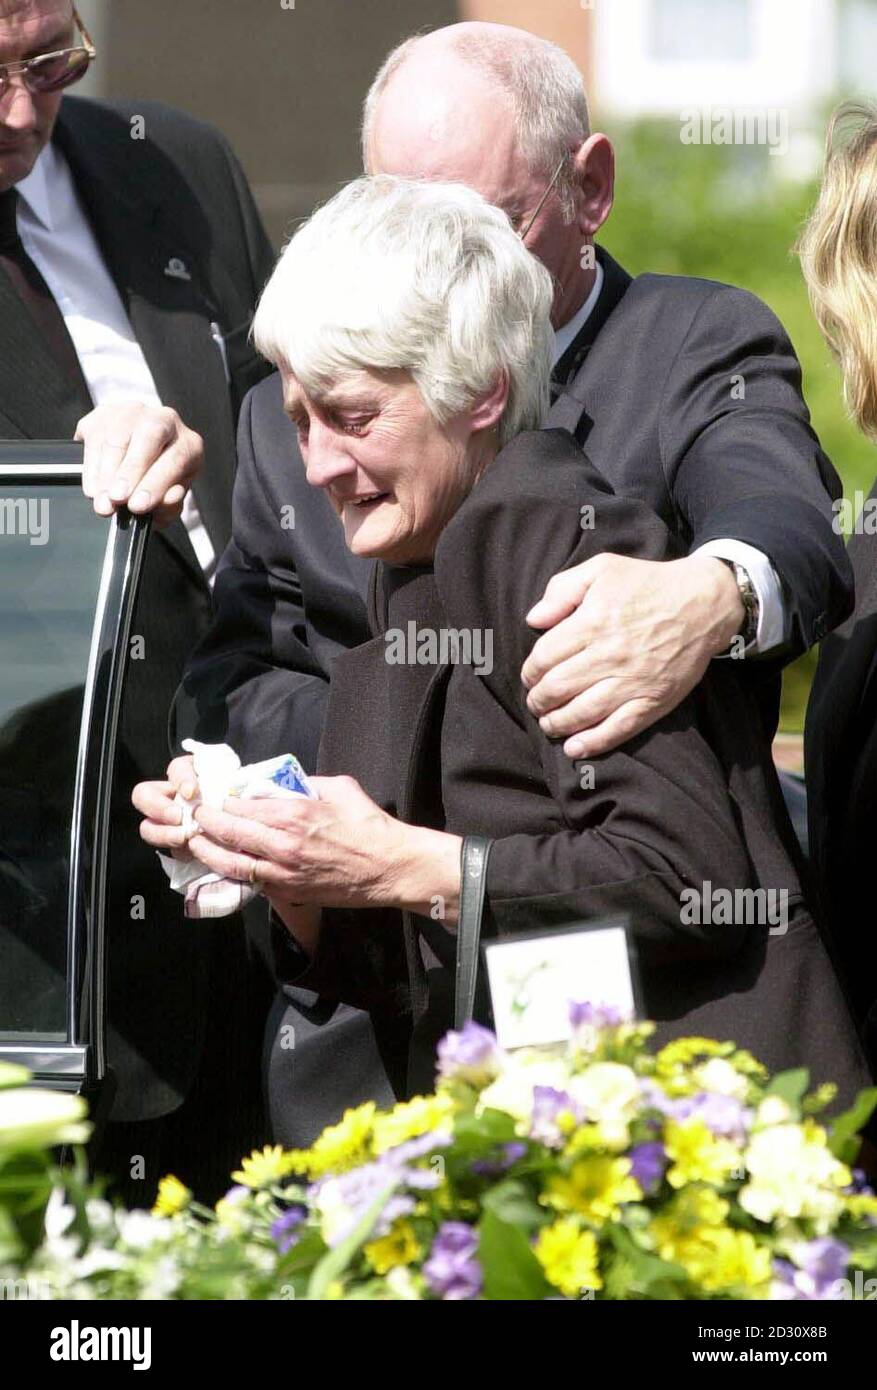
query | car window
[51, 557]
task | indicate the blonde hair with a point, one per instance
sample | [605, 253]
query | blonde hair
[838, 252]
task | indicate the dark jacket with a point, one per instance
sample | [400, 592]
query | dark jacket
[693, 801]
[180, 193]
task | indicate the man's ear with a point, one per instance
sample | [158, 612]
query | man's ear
[594, 179]
[488, 407]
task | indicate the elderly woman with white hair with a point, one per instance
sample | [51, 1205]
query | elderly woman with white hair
[412, 332]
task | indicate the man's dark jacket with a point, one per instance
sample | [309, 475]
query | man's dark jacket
[177, 194]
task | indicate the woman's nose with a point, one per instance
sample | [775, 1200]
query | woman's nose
[328, 458]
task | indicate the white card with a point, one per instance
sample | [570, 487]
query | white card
[534, 979]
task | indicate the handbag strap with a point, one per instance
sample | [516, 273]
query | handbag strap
[473, 884]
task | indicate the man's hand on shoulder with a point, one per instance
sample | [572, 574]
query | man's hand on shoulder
[626, 641]
[141, 456]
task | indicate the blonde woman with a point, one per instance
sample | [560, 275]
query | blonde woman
[838, 251]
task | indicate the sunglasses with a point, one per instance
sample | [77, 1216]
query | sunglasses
[51, 72]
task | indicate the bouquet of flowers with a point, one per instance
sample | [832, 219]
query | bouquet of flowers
[597, 1170]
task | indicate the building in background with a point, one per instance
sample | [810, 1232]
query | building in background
[285, 79]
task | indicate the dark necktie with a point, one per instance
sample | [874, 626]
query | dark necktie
[34, 293]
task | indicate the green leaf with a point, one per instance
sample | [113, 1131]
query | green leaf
[511, 1201]
[844, 1140]
[511, 1270]
[642, 1270]
[334, 1263]
[790, 1086]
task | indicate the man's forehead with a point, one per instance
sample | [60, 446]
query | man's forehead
[25, 24]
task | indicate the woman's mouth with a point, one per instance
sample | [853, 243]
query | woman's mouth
[368, 499]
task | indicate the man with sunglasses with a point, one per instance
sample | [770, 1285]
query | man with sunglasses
[131, 257]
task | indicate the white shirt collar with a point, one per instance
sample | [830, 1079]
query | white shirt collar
[565, 335]
[36, 190]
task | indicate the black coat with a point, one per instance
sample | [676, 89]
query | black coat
[840, 746]
[694, 799]
[177, 193]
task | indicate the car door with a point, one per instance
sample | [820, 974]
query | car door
[68, 582]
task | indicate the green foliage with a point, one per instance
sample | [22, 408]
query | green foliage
[723, 212]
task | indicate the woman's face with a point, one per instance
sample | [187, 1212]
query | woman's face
[393, 474]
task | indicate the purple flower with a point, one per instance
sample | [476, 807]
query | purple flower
[722, 1115]
[860, 1186]
[819, 1267]
[285, 1229]
[647, 1164]
[504, 1159]
[584, 1014]
[548, 1107]
[452, 1270]
[472, 1055]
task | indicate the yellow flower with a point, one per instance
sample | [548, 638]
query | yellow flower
[173, 1197]
[421, 1115]
[264, 1167]
[230, 1212]
[399, 1247]
[697, 1155]
[719, 1258]
[568, 1256]
[862, 1204]
[596, 1187]
[340, 1147]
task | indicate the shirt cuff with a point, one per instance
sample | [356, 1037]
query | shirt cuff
[771, 630]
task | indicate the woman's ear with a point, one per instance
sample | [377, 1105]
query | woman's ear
[488, 408]
[594, 178]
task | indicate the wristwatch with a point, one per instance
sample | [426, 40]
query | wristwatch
[749, 599]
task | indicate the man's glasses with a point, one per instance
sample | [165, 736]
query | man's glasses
[543, 200]
[50, 72]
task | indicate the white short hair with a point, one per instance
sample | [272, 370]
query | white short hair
[546, 90]
[415, 275]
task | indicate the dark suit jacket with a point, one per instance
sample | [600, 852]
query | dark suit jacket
[656, 379]
[840, 746]
[692, 801]
[177, 193]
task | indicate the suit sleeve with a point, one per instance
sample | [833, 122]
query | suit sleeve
[647, 824]
[260, 253]
[253, 681]
[743, 462]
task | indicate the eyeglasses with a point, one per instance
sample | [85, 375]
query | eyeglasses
[543, 200]
[50, 72]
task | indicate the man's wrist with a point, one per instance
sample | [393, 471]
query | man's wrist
[724, 599]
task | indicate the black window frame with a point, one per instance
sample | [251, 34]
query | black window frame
[80, 1063]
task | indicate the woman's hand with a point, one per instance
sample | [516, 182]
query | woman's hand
[162, 826]
[342, 850]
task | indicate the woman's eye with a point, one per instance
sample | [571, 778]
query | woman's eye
[354, 426]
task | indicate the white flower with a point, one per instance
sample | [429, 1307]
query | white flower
[720, 1076]
[610, 1095]
[163, 1280]
[401, 1284]
[335, 1214]
[773, 1110]
[138, 1229]
[793, 1175]
[512, 1091]
[37, 1119]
